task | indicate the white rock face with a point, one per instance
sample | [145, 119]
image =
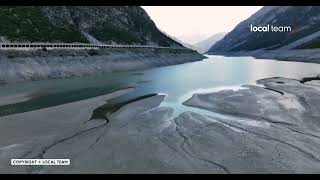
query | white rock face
[90, 38]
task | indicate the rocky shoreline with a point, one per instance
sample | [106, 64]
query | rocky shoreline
[18, 66]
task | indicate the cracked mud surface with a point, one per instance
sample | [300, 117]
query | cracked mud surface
[270, 129]
[285, 113]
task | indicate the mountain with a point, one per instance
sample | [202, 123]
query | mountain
[183, 43]
[204, 45]
[106, 24]
[179, 41]
[304, 21]
[193, 38]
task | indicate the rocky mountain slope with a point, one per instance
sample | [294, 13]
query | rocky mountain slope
[107, 24]
[304, 21]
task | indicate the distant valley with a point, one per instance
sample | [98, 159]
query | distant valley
[204, 45]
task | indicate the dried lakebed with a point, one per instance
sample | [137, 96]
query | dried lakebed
[272, 128]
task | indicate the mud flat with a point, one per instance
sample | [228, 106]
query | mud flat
[32, 133]
[11, 99]
[279, 123]
[270, 129]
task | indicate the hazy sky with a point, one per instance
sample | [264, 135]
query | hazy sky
[194, 23]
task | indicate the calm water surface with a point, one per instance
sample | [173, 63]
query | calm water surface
[178, 82]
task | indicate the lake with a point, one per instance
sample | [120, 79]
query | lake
[178, 82]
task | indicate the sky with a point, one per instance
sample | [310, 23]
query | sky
[192, 24]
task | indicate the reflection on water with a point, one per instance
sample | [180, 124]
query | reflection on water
[179, 82]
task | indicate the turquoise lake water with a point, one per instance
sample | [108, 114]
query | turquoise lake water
[178, 82]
